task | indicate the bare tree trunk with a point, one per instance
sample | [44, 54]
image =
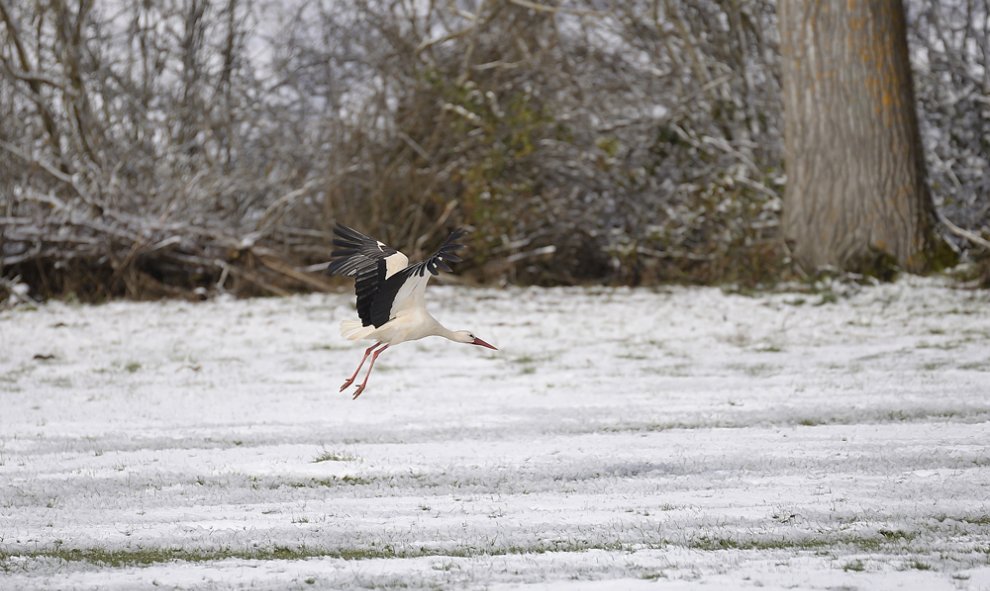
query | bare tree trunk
[856, 196]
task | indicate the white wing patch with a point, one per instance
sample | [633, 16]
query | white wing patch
[411, 295]
[394, 263]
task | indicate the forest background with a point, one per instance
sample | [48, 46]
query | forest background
[194, 147]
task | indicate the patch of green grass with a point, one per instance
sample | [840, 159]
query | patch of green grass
[326, 347]
[332, 456]
[138, 556]
[896, 534]
[59, 382]
[355, 480]
[132, 366]
[917, 565]
[129, 557]
[886, 538]
[983, 519]
[148, 556]
[866, 416]
[769, 349]
[674, 370]
[828, 297]
[17, 373]
[528, 364]
[900, 416]
[347, 480]
[654, 427]
[729, 543]
[755, 369]
[944, 346]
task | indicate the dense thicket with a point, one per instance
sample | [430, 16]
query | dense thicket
[157, 148]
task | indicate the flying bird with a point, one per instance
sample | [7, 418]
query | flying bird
[390, 294]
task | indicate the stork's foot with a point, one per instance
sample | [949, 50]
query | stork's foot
[346, 384]
[374, 357]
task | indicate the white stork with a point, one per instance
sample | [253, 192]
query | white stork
[390, 294]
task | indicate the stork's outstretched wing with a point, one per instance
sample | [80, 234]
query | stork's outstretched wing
[385, 283]
[355, 252]
[406, 289]
[369, 261]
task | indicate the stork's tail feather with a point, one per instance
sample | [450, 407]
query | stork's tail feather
[354, 330]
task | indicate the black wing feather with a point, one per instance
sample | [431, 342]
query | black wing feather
[354, 252]
[447, 253]
[362, 257]
[367, 287]
[381, 307]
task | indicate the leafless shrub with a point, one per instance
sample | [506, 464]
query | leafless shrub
[136, 158]
[588, 141]
[952, 70]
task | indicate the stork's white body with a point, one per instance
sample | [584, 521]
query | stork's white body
[408, 325]
[391, 298]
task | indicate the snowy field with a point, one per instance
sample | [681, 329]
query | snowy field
[629, 439]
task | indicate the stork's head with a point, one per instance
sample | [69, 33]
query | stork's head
[465, 336]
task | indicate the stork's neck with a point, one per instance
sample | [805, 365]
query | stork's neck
[440, 330]
[428, 326]
[443, 331]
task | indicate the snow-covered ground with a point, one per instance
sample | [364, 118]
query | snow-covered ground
[677, 438]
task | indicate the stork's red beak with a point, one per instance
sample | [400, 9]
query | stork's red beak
[478, 341]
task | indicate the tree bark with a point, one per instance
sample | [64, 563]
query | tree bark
[856, 196]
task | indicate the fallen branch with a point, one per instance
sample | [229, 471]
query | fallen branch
[964, 233]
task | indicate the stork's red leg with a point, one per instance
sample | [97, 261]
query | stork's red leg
[368, 375]
[353, 377]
